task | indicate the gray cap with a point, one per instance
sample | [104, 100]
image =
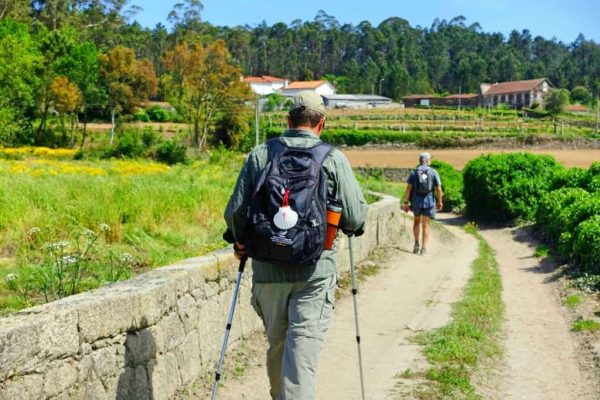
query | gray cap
[424, 156]
[309, 100]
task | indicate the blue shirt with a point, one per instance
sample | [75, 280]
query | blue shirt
[423, 201]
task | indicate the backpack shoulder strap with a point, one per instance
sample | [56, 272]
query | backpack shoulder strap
[321, 151]
[276, 148]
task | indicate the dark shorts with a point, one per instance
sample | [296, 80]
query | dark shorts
[427, 212]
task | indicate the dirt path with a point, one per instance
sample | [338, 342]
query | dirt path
[459, 157]
[541, 358]
[410, 293]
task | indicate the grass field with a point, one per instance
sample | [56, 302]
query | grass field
[133, 216]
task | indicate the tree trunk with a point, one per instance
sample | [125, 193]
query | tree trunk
[73, 125]
[112, 130]
[42, 127]
[84, 134]
[196, 138]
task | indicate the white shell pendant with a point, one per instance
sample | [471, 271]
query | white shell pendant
[285, 218]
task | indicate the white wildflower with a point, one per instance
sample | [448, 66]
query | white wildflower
[10, 278]
[127, 258]
[88, 233]
[104, 227]
[69, 260]
[34, 231]
[56, 246]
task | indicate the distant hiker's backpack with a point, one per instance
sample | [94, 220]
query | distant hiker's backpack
[423, 180]
[288, 206]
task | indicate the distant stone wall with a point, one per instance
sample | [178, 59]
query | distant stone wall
[390, 174]
[148, 337]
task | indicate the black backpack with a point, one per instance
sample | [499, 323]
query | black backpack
[423, 180]
[293, 184]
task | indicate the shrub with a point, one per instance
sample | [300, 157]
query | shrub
[507, 187]
[579, 211]
[570, 178]
[141, 116]
[129, 145]
[554, 211]
[171, 152]
[157, 114]
[586, 246]
[452, 185]
[592, 179]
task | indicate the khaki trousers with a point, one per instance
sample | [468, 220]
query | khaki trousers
[296, 316]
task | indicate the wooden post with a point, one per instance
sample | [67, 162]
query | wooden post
[597, 105]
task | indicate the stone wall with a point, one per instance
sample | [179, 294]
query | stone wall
[389, 173]
[148, 337]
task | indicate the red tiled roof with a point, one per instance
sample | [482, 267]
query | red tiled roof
[461, 96]
[306, 84]
[263, 79]
[420, 96]
[514, 87]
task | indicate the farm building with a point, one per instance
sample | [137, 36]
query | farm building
[265, 85]
[515, 94]
[453, 100]
[355, 101]
[321, 87]
[425, 100]
[461, 100]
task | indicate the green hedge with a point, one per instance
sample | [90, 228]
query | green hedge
[554, 211]
[507, 187]
[586, 246]
[452, 186]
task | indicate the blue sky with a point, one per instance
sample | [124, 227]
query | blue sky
[563, 19]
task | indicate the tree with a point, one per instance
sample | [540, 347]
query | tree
[81, 67]
[19, 82]
[556, 101]
[201, 84]
[130, 82]
[15, 9]
[581, 94]
[67, 99]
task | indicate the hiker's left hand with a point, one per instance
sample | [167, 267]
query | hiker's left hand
[239, 250]
[439, 206]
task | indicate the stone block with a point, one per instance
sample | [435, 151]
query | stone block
[164, 377]
[59, 377]
[30, 339]
[168, 333]
[188, 312]
[188, 358]
[26, 387]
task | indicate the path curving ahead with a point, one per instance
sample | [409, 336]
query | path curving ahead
[410, 293]
[541, 354]
[413, 293]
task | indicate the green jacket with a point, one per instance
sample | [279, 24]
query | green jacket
[341, 184]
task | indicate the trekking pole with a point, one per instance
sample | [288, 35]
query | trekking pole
[228, 327]
[354, 293]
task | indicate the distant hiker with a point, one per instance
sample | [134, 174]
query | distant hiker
[422, 182]
[277, 217]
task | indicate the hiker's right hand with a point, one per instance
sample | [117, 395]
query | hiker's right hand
[239, 250]
[406, 207]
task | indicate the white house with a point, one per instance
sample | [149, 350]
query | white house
[265, 85]
[323, 88]
[517, 93]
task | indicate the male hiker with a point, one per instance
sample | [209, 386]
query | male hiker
[419, 194]
[276, 216]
